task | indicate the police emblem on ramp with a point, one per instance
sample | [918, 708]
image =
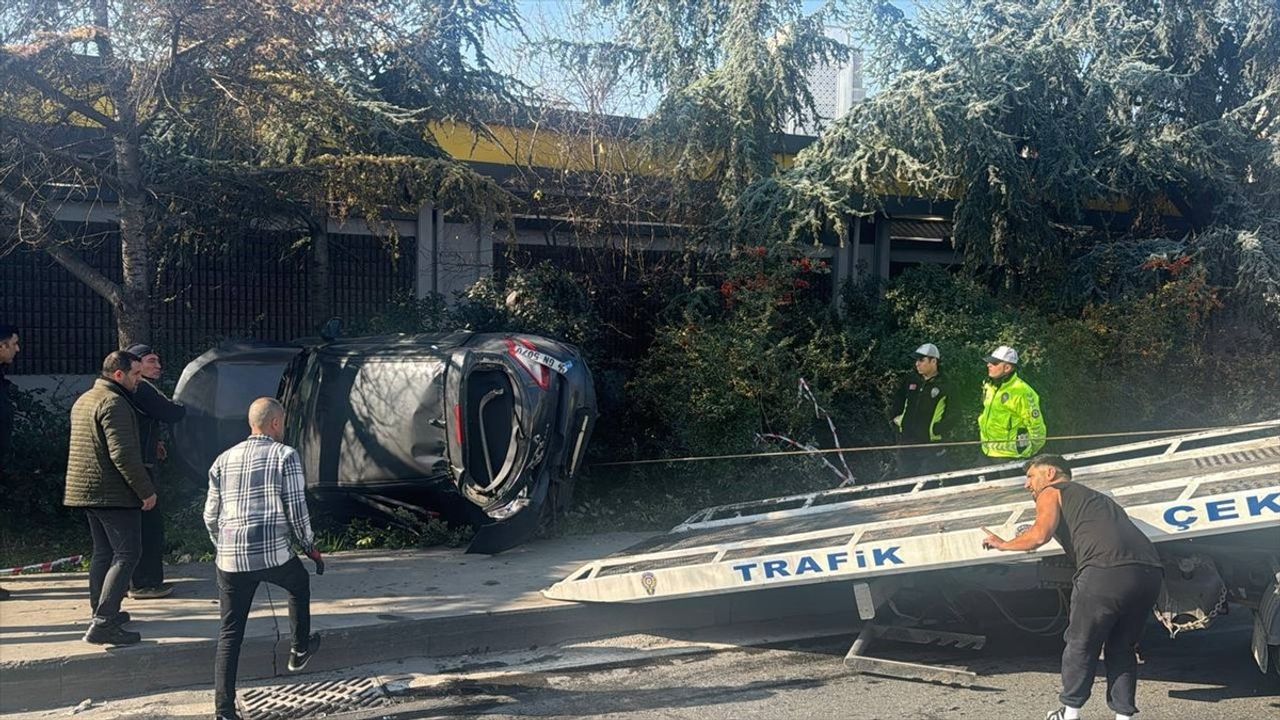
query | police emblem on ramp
[650, 583]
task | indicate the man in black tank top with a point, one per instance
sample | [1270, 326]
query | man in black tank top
[1118, 577]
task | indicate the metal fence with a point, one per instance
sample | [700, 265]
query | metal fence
[258, 289]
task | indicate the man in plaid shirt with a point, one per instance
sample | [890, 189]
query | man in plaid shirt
[256, 501]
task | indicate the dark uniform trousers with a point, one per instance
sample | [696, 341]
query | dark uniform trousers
[149, 571]
[912, 462]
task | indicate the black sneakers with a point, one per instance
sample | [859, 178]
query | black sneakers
[152, 593]
[121, 618]
[299, 660]
[111, 634]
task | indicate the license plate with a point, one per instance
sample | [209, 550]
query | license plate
[543, 359]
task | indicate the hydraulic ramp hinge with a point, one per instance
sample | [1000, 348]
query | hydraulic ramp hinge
[870, 597]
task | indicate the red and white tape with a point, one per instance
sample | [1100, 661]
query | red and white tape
[41, 567]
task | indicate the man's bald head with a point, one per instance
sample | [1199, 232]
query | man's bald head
[266, 417]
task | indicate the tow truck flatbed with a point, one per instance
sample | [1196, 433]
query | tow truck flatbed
[1195, 485]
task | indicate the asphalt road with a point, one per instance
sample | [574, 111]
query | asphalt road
[1207, 675]
[1210, 676]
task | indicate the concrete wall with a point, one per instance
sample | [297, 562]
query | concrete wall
[464, 255]
[451, 256]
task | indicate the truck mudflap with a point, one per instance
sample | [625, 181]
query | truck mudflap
[1266, 628]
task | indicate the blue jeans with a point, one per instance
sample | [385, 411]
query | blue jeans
[117, 545]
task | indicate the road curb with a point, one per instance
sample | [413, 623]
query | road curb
[151, 667]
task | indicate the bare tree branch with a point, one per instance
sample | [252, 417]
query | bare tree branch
[9, 61]
[71, 159]
[47, 237]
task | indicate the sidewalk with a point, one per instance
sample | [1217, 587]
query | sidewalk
[371, 606]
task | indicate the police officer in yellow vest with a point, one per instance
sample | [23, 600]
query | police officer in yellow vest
[1011, 425]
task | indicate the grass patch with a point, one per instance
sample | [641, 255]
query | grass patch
[404, 531]
[37, 544]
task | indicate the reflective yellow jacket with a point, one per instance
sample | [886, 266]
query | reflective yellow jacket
[1011, 425]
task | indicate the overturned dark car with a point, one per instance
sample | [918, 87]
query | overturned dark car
[484, 428]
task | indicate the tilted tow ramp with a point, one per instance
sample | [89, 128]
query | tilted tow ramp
[1211, 483]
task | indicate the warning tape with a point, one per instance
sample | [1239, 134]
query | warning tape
[43, 567]
[961, 443]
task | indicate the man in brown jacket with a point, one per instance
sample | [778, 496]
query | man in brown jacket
[106, 477]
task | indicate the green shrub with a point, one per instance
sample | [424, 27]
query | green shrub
[720, 372]
[34, 482]
[1147, 360]
[406, 313]
[542, 300]
[726, 364]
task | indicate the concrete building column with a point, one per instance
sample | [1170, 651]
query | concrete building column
[426, 276]
[880, 266]
[845, 265]
[463, 254]
[858, 257]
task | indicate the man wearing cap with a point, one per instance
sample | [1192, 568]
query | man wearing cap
[1011, 425]
[152, 409]
[920, 415]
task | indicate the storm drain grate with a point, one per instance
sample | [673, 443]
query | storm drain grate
[305, 700]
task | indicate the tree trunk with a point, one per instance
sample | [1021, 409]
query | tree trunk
[318, 278]
[133, 308]
[133, 314]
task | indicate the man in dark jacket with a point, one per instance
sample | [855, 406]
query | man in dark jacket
[153, 408]
[106, 477]
[921, 416]
[9, 348]
[1118, 577]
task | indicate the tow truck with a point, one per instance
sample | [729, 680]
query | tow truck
[1210, 501]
